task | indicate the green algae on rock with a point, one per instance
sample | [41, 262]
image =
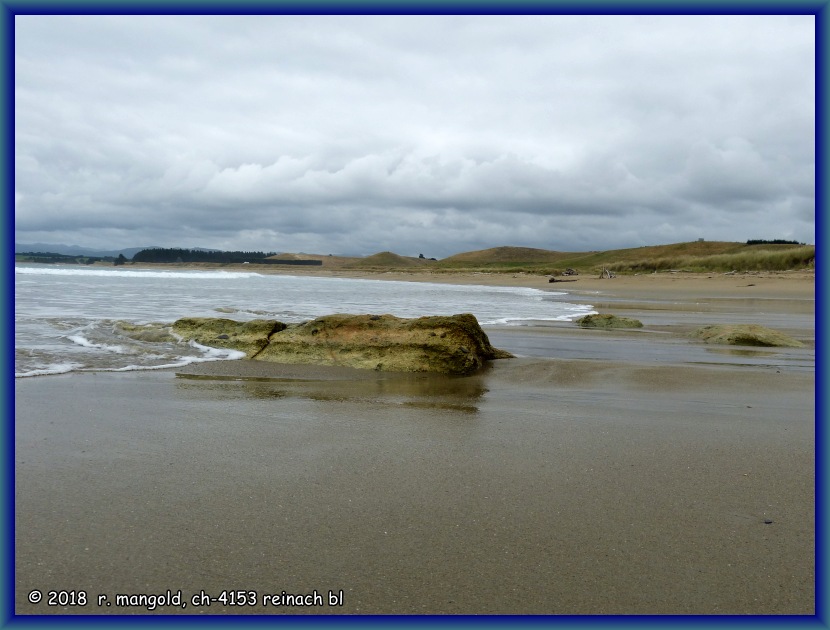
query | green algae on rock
[218, 332]
[445, 344]
[745, 335]
[608, 321]
[154, 332]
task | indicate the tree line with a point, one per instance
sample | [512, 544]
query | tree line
[172, 255]
[52, 258]
[777, 241]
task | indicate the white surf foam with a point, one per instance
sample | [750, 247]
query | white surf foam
[86, 343]
[196, 274]
[58, 368]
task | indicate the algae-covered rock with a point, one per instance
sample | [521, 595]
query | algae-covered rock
[154, 332]
[608, 321]
[217, 332]
[445, 344]
[745, 335]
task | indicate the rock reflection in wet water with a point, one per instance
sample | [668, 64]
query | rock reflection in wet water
[419, 391]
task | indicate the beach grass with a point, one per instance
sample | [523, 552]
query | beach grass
[750, 259]
[697, 256]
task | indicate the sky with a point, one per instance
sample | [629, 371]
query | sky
[425, 135]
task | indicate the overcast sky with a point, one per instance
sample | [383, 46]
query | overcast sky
[429, 134]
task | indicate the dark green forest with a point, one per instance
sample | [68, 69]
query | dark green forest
[173, 255]
[66, 259]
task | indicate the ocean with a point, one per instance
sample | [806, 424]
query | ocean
[95, 319]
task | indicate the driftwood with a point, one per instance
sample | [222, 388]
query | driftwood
[555, 280]
[607, 274]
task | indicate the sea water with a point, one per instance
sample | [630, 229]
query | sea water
[79, 319]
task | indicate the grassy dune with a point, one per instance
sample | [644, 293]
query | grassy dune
[695, 256]
[386, 261]
[504, 256]
[692, 256]
[750, 259]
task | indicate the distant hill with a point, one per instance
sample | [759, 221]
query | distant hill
[387, 260]
[74, 250]
[690, 256]
[700, 254]
[505, 254]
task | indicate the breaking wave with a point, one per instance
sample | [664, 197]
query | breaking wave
[117, 273]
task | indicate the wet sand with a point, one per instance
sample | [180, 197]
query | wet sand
[631, 472]
[661, 286]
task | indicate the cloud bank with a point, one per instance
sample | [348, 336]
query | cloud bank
[433, 134]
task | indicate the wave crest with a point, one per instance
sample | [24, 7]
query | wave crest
[195, 274]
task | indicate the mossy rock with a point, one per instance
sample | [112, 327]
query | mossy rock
[155, 332]
[217, 332]
[606, 321]
[445, 344]
[745, 335]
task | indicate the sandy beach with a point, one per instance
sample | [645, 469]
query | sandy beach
[623, 472]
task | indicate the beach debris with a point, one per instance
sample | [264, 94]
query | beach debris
[600, 320]
[745, 335]
[445, 344]
[606, 274]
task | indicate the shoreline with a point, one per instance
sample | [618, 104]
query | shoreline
[783, 292]
[796, 283]
[789, 285]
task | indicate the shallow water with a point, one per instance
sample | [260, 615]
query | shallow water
[78, 319]
[649, 348]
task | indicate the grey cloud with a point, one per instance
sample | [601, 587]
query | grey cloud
[363, 133]
[732, 172]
